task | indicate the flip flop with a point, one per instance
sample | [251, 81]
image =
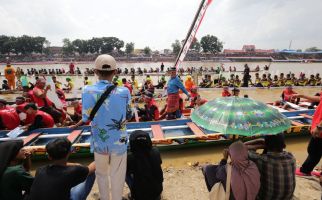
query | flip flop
[299, 173]
[316, 173]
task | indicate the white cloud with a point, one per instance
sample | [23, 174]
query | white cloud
[154, 23]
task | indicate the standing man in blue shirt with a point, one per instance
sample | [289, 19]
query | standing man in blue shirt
[174, 85]
[109, 136]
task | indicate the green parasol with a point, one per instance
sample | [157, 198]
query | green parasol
[240, 116]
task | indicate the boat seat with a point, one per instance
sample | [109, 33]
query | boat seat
[307, 116]
[196, 130]
[73, 136]
[30, 138]
[157, 132]
[295, 123]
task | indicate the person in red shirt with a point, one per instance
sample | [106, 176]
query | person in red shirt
[200, 101]
[287, 96]
[193, 95]
[20, 109]
[72, 68]
[225, 92]
[9, 118]
[314, 148]
[150, 112]
[40, 119]
[40, 93]
[42, 101]
[127, 85]
[77, 115]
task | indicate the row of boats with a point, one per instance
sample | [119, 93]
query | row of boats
[169, 134]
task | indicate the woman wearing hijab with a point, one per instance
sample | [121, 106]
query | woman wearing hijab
[144, 173]
[15, 181]
[245, 177]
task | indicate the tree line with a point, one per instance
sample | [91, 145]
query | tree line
[22, 45]
[26, 45]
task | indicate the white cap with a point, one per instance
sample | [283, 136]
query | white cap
[105, 63]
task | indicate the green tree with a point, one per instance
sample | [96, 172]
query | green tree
[147, 51]
[68, 48]
[94, 45]
[38, 44]
[129, 48]
[211, 43]
[312, 49]
[80, 46]
[195, 45]
[5, 44]
[176, 47]
[46, 49]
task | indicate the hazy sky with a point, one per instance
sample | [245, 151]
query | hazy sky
[157, 23]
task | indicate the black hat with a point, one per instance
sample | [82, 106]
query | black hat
[173, 69]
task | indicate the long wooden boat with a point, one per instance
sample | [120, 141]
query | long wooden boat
[166, 135]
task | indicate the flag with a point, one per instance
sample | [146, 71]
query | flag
[192, 31]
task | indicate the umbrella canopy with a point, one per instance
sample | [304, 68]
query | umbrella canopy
[240, 116]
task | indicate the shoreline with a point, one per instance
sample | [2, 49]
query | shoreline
[155, 61]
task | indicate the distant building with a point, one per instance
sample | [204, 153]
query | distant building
[56, 50]
[166, 51]
[248, 49]
[138, 51]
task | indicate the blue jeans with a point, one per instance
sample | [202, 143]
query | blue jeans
[82, 190]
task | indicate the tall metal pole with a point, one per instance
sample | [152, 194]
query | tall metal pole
[190, 30]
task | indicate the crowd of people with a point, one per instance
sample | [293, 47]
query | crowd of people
[245, 173]
[266, 80]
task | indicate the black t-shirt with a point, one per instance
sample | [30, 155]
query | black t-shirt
[53, 182]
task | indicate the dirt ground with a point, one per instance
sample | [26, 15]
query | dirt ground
[187, 183]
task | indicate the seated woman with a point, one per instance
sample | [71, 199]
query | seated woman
[15, 181]
[245, 177]
[144, 174]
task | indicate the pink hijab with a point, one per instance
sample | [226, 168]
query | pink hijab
[245, 177]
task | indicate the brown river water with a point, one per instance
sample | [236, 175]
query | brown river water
[184, 157]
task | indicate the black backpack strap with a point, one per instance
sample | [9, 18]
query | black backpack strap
[101, 101]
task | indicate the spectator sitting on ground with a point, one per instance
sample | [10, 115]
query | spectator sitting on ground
[144, 173]
[15, 180]
[276, 167]
[62, 180]
[245, 177]
[5, 85]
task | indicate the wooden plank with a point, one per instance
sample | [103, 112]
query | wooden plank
[292, 105]
[157, 132]
[196, 130]
[295, 123]
[306, 116]
[30, 138]
[73, 136]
